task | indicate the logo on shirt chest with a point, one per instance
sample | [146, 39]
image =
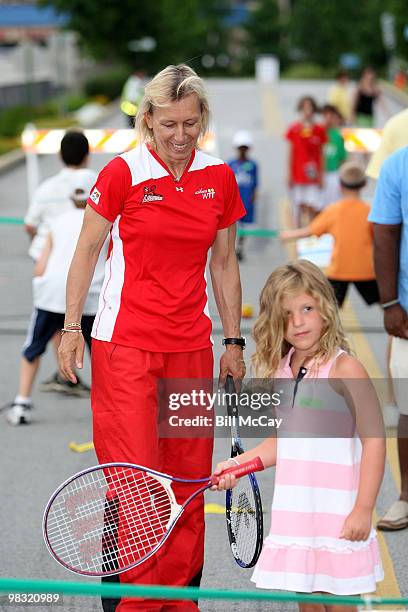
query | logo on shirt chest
[150, 194]
[207, 194]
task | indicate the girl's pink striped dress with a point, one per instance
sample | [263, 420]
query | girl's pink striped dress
[315, 489]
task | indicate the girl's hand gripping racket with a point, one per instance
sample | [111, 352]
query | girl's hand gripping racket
[243, 505]
[112, 517]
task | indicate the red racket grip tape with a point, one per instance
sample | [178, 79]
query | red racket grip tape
[254, 465]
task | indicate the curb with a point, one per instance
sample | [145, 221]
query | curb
[11, 160]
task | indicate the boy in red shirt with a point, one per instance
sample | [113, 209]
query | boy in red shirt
[306, 140]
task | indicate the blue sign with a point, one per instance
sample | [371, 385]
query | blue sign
[351, 61]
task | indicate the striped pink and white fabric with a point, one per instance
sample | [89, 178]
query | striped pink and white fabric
[316, 485]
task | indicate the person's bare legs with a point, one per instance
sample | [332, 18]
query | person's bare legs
[297, 215]
[28, 372]
[56, 339]
[306, 607]
[403, 454]
[20, 408]
[390, 386]
[312, 213]
[309, 607]
[300, 215]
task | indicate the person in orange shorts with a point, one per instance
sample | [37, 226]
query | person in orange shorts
[347, 221]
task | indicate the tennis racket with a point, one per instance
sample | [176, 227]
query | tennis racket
[243, 505]
[110, 518]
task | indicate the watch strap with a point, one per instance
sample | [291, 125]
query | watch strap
[238, 341]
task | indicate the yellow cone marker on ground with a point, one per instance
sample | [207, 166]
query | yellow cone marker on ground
[247, 311]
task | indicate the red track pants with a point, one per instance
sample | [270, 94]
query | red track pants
[124, 406]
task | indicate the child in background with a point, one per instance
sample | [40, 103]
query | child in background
[246, 174]
[49, 284]
[339, 95]
[334, 155]
[321, 538]
[347, 221]
[305, 172]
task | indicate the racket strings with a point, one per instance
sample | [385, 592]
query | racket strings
[244, 520]
[110, 527]
[107, 519]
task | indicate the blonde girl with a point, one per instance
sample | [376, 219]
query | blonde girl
[321, 538]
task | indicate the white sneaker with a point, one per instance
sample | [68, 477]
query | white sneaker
[19, 414]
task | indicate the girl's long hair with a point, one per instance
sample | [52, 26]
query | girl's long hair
[299, 276]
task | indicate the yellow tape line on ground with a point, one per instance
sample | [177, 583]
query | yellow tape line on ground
[273, 120]
[214, 509]
[389, 586]
[81, 448]
[365, 354]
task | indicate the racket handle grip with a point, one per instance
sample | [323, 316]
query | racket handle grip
[254, 465]
[229, 385]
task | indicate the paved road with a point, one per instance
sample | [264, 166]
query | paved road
[35, 459]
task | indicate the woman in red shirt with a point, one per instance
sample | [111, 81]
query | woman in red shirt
[165, 204]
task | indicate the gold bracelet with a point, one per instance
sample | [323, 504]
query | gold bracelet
[64, 330]
[68, 325]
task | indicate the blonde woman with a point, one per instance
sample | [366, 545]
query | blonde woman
[165, 204]
[321, 538]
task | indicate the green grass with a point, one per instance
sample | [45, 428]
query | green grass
[11, 144]
[308, 70]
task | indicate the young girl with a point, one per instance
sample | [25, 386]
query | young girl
[321, 539]
[305, 172]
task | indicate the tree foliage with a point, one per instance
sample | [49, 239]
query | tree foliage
[180, 29]
[265, 28]
[326, 30]
[318, 31]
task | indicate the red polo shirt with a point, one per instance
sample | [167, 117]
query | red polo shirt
[154, 295]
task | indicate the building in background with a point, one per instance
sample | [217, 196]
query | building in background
[37, 57]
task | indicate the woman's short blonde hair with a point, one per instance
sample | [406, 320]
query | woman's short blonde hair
[169, 85]
[299, 276]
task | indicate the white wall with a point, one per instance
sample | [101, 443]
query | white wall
[58, 62]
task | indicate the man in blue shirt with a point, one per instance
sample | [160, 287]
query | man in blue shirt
[246, 174]
[390, 216]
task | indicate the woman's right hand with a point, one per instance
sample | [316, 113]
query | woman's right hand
[228, 481]
[71, 354]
